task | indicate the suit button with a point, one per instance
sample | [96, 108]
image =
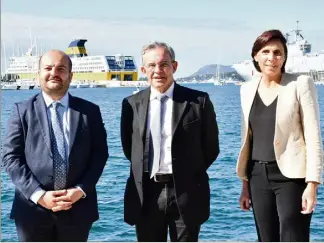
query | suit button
[277, 142]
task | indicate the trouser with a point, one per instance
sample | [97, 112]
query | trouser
[160, 212]
[52, 231]
[277, 204]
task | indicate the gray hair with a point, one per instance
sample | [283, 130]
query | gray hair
[156, 44]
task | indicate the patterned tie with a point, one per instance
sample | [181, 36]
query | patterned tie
[155, 141]
[58, 149]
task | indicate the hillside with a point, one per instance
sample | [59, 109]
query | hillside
[212, 68]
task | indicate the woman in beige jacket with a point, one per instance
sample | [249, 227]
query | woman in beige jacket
[281, 156]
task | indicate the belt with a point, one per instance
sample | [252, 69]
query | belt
[163, 178]
[265, 162]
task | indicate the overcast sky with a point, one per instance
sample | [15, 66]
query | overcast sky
[201, 32]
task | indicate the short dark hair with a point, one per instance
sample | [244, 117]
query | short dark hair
[66, 56]
[263, 39]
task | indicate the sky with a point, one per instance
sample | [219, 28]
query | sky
[201, 32]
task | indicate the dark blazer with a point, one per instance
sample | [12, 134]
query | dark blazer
[194, 148]
[28, 158]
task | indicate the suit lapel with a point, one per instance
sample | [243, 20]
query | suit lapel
[41, 114]
[141, 108]
[74, 121]
[179, 106]
[283, 83]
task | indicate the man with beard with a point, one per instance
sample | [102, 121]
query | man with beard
[54, 152]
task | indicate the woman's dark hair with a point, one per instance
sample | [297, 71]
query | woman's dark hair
[263, 39]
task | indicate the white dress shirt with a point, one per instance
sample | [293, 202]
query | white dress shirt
[64, 113]
[166, 127]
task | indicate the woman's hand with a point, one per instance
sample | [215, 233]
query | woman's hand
[309, 198]
[245, 197]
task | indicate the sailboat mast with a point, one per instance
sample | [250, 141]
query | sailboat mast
[5, 56]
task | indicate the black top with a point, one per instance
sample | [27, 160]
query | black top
[262, 123]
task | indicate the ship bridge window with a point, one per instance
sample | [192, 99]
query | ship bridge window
[305, 48]
[113, 65]
[129, 65]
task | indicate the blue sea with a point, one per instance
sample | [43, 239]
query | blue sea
[226, 223]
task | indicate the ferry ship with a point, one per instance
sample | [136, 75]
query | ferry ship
[84, 67]
[300, 59]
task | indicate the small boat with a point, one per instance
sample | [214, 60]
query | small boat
[218, 82]
[136, 91]
[319, 82]
[9, 86]
[26, 83]
[97, 85]
[83, 85]
[79, 84]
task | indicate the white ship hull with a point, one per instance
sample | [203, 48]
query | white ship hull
[9, 86]
[26, 84]
[247, 71]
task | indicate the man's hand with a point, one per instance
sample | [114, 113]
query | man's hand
[72, 196]
[48, 200]
[309, 198]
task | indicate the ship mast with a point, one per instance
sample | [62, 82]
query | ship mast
[5, 57]
[298, 32]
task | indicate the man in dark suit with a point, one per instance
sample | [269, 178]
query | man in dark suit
[170, 135]
[54, 152]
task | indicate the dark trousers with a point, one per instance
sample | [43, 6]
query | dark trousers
[52, 231]
[160, 212]
[277, 204]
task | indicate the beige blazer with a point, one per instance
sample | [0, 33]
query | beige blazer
[297, 140]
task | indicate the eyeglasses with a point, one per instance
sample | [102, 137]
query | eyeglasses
[164, 66]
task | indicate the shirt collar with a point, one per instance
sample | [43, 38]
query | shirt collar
[168, 92]
[48, 100]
